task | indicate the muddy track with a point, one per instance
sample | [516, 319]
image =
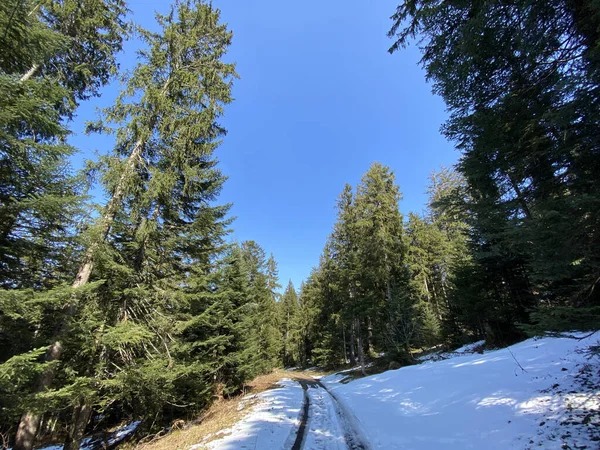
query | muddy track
[304, 415]
[351, 438]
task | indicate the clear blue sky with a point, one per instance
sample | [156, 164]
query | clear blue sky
[318, 101]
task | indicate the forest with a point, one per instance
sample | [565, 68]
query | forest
[140, 306]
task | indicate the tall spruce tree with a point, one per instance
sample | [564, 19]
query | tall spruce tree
[265, 340]
[288, 312]
[158, 226]
[387, 303]
[54, 54]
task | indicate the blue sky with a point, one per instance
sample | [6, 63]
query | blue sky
[319, 99]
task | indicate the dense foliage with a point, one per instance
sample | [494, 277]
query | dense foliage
[510, 241]
[522, 83]
[385, 284]
[140, 309]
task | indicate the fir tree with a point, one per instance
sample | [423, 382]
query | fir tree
[158, 228]
[383, 279]
[265, 340]
[288, 312]
[55, 54]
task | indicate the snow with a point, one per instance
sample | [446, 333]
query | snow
[273, 422]
[89, 443]
[465, 349]
[330, 426]
[123, 432]
[324, 430]
[474, 401]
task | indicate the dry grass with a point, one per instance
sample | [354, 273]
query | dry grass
[223, 414]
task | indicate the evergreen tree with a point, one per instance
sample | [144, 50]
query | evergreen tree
[158, 232]
[438, 251]
[383, 279]
[265, 340]
[359, 299]
[524, 114]
[54, 55]
[288, 312]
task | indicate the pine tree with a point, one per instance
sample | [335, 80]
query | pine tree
[55, 54]
[383, 279]
[339, 269]
[288, 311]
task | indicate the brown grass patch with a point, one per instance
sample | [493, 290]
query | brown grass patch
[223, 414]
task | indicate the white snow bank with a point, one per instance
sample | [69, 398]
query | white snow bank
[483, 401]
[464, 350]
[273, 422]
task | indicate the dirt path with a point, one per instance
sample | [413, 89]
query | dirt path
[324, 423]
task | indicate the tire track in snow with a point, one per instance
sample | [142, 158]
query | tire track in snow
[324, 423]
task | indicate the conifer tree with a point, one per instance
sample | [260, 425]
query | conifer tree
[54, 55]
[158, 227]
[383, 279]
[524, 114]
[288, 312]
[266, 339]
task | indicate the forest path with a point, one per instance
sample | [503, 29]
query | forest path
[324, 423]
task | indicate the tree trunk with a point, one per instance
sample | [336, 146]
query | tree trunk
[81, 417]
[520, 196]
[361, 353]
[27, 431]
[352, 342]
[29, 73]
[344, 337]
[370, 336]
[30, 421]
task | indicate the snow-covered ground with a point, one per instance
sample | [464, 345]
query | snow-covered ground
[272, 424]
[540, 393]
[475, 347]
[112, 438]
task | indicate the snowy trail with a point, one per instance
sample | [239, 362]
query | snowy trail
[326, 425]
[301, 414]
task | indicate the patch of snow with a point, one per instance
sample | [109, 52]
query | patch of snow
[123, 432]
[273, 422]
[540, 393]
[88, 443]
[469, 348]
[441, 355]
